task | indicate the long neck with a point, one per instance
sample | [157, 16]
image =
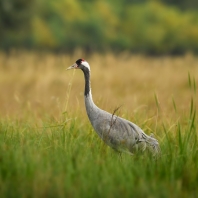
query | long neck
[91, 108]
[87, 82]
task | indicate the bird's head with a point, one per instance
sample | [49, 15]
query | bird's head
[80, 64]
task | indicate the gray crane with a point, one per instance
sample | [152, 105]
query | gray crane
[120, 134]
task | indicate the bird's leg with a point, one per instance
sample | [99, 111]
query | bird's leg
[120, 156]
[119, 153]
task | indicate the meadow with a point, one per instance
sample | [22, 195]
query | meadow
[49, 149]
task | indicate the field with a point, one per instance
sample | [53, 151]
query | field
[49, 149]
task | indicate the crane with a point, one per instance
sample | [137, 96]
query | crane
[118, 133]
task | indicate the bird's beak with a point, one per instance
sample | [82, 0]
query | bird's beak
[74, 66]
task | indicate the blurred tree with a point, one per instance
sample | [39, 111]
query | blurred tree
[184, 4]
[15, 17]
[155, 29]
[143, 26]
[134, 1]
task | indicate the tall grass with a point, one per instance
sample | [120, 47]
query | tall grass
[71, 161]
[55, 153]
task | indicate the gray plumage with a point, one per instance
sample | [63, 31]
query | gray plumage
[120, 134]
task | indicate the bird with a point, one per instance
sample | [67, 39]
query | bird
[118, 133]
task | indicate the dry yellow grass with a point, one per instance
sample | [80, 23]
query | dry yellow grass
[35, 85]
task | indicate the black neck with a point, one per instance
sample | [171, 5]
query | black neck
[87, 80]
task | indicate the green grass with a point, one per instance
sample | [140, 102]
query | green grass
[71, 161]
[59, 155]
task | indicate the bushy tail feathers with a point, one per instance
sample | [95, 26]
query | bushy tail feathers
[150, 143]
[153, 145]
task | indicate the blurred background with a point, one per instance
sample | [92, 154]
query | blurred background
[141, 51]
[143, 58]
[151, 27]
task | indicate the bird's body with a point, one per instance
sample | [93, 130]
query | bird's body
[120, 134]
